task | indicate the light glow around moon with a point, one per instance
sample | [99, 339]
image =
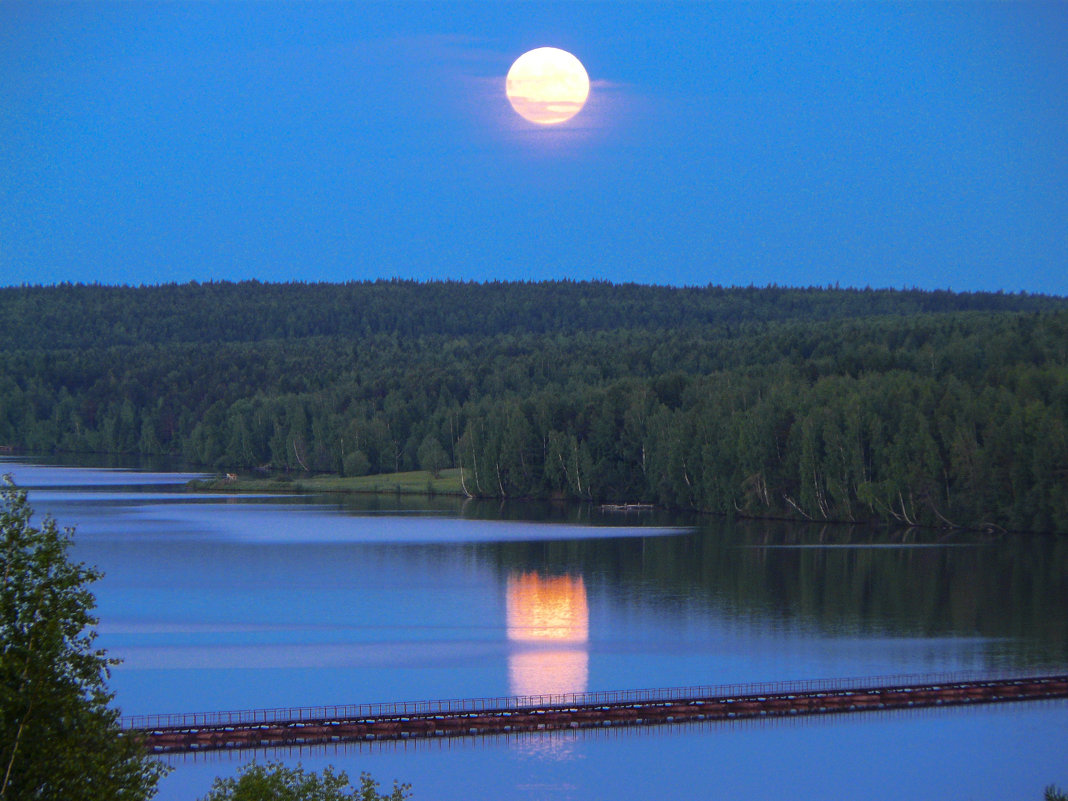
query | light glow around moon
[547, 86]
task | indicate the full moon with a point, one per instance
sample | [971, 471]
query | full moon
[547, 86]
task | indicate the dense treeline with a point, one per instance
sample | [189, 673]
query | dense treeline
[920, 408]
[68, 316]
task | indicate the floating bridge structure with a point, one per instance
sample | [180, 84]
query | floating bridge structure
[468, 717]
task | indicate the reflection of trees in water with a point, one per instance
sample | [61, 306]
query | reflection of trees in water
[840, 579]
[568, 513]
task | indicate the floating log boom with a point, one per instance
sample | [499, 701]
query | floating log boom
[265, 728]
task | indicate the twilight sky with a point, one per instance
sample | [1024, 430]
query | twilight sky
[891, 145]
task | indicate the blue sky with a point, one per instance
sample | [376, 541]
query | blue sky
[891, 145]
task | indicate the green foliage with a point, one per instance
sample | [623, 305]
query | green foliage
[432, 456]
[277, 782]
[913, 408]
[58, 737]
[250, 311]
[420, 482]
[1054, 793]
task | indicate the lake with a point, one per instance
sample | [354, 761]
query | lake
[220, 602]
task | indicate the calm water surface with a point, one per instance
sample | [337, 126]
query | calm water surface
[225, 602]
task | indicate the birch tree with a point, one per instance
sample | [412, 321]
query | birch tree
[59, 738]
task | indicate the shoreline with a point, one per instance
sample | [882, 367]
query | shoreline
[419, 482]
[447, 483]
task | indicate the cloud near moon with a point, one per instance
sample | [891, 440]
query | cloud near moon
[547, 86]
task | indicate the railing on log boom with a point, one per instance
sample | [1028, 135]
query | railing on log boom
[462, 716]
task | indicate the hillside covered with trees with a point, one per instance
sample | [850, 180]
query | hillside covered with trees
[908, 407]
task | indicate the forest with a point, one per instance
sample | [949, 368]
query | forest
[900, 406]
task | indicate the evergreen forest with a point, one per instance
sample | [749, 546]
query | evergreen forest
[905, 407]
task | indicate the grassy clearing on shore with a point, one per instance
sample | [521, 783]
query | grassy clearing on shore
[418, 482]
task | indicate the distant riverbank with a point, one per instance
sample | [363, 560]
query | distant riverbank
[448, 482]
[416, 482]
[907, 408]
